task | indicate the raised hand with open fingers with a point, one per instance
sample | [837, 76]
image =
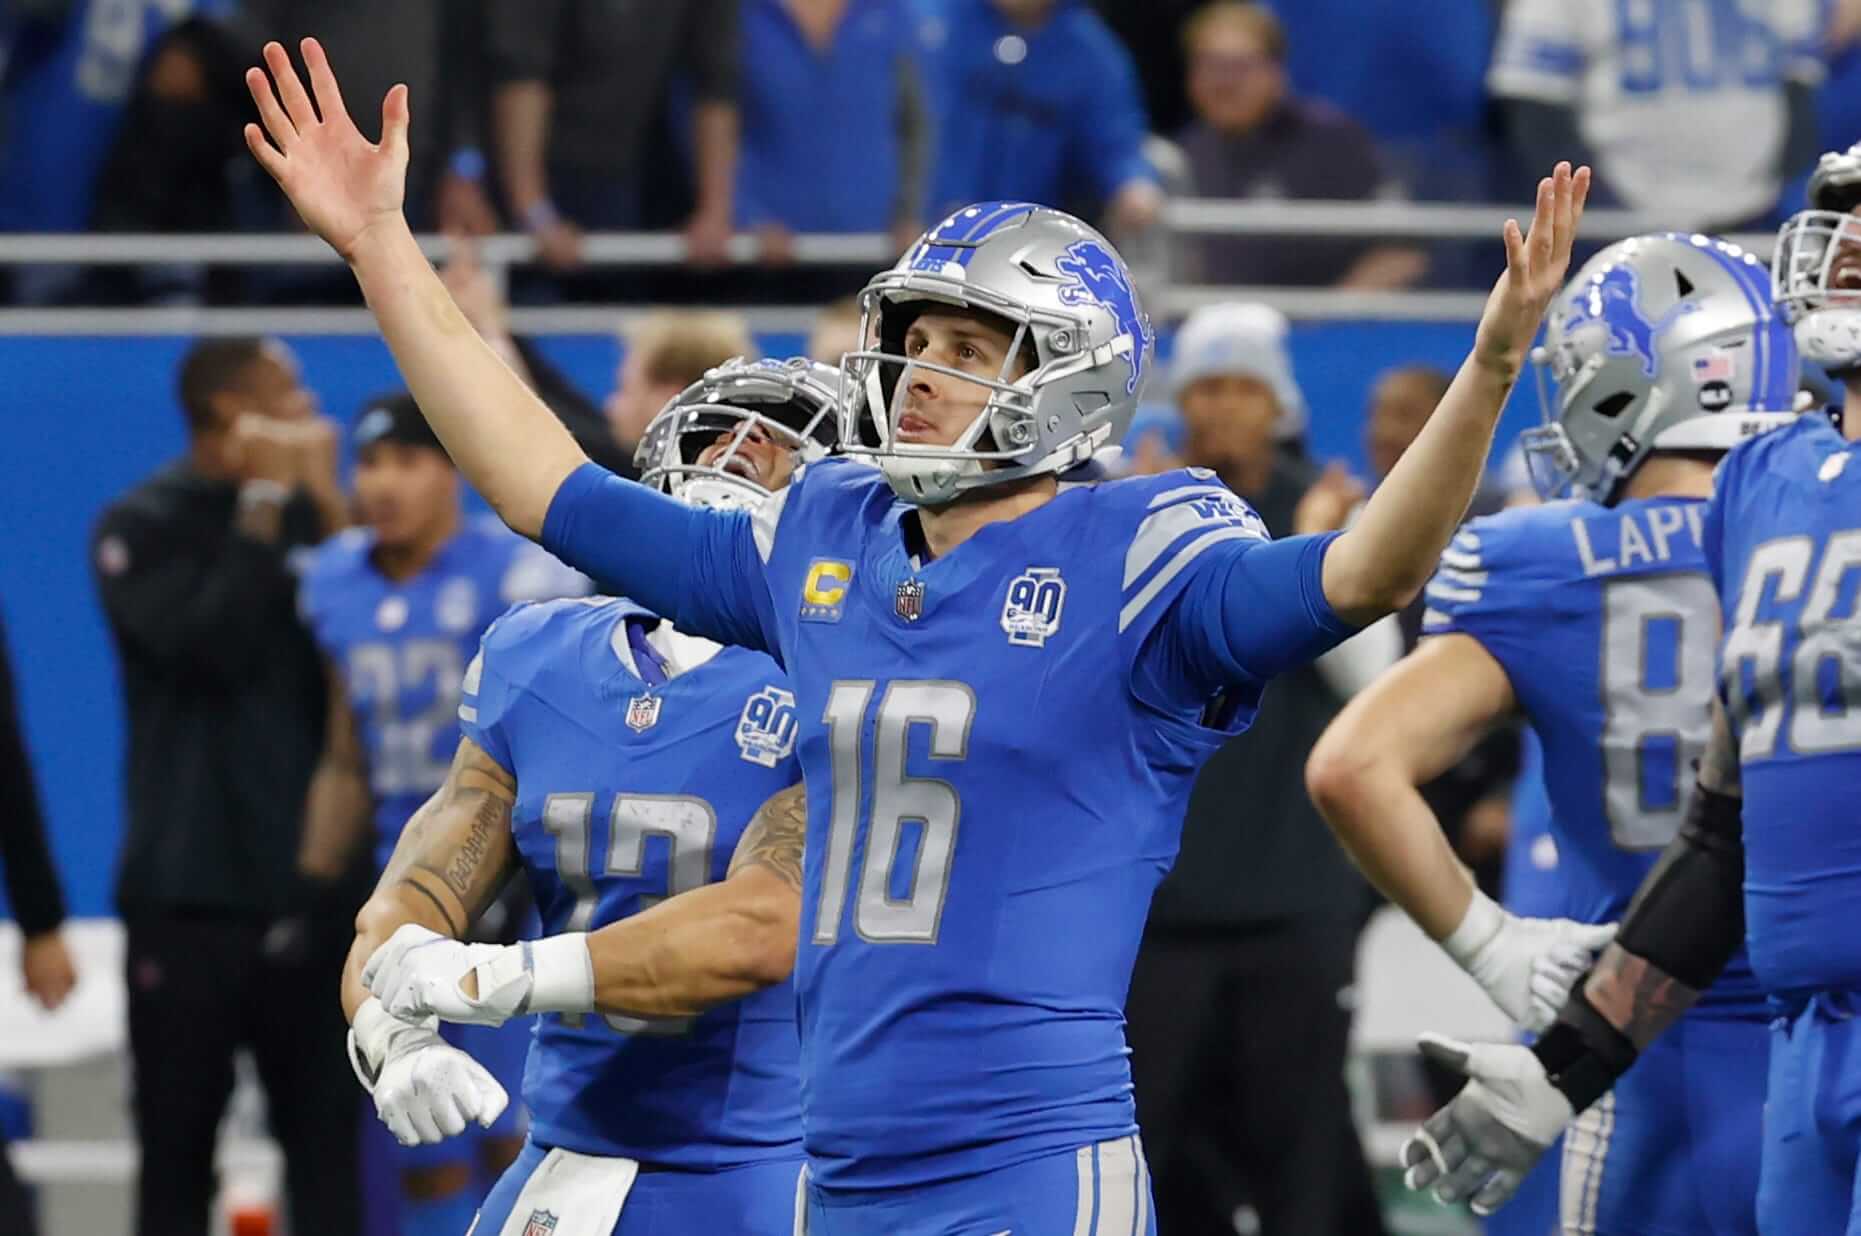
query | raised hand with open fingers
[342, 184]
[1536, 262]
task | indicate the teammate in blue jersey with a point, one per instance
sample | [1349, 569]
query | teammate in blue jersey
[1596, 619]
[397, 607]
[1769, 856]
[1004, 683]
[618, 763]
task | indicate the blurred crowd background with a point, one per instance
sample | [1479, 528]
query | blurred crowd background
[717, 178]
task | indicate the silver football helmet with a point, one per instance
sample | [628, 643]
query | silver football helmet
[1074, 312]
[1816, 273]
[1660, 343]
[793, 403]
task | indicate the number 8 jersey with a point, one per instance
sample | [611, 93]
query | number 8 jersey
[1783, 541]
[1604, 621]
[999, 745]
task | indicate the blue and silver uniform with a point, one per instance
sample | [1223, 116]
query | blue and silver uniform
[999, 745]
[401, 649]
[1605, 623]
[1783, 542]
[633, 786]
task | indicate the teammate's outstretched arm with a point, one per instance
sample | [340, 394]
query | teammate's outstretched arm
[1412, 724]
[452, 858]
[687, 954]
[1684, 925]
[1383, 560]
[349, 190]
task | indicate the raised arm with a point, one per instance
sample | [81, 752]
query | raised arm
[1365, 774]
[1382, 561]
[687, 954]
[349, 191]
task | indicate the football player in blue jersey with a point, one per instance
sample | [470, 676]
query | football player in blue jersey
[397, 607]
[618, 762]
[1769, 856]
[1005, 678]
[1596, 619]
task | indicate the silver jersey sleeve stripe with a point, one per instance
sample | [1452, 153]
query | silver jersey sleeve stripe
[1440, 590]
[1189, 491]
[1183, 558]
[1163, 529]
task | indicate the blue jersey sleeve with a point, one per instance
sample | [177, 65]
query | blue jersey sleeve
[485, 699]
[1215, 603]
[1487, 589]
[702, 569]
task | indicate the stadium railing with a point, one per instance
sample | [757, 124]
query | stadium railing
[1169, 298]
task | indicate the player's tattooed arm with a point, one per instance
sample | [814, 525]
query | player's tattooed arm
[453, 856]
[774, 838]
[1636, 996]
[716, 943]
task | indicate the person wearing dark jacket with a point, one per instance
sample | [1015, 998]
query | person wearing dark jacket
[38, 906]
[1240, 1004]
[226, 948]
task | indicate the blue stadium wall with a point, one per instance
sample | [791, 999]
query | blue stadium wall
[89, 417]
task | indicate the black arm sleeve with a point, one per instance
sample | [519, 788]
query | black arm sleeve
[212, 607]
[1686, 920]
[1688, 916]
[31, 880]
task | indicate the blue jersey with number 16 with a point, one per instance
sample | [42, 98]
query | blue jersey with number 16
[1783, 537]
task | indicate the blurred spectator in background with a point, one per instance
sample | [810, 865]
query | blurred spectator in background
[836, 127]
[576, 85]
[438, 50]
[225, 946]
[179, 162]
[68, 73]
[661, 355]
[1252, 138]
[1697, 113]
[1240, 1005]
[38, 908]
[1037, 101]
[835, 331]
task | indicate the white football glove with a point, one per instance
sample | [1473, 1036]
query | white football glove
[425, 1089]
[417, 973]
[1526, 965]
[1482, 1144]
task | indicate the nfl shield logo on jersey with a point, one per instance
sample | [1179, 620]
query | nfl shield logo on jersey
[908, 601]
[642, 714]
[766, 730]
[1032, 611]
[542, 1223]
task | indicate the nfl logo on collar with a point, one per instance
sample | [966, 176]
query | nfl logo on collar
[908, 600]
[542, 1223]
[642, 713]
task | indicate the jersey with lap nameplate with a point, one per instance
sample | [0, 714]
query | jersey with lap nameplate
[999, 746]
[628, 794]
[1604, 621]
[1783, 540]
[402, 647]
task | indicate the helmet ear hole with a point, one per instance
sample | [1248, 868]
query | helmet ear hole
[1612, 406]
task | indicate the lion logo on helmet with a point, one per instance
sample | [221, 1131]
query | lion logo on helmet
[1096, 276]
[1612, 300]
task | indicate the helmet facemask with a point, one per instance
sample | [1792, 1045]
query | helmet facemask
[789, 406]
[1816, 285]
